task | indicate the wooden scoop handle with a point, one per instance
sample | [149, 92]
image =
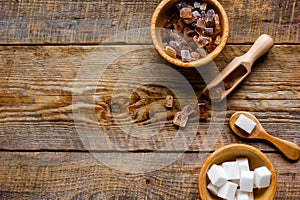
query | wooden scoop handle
[259, 48]
[289, 149]
[235, 70]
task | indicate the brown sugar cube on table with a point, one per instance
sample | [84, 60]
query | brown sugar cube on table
[169, 101]
[180, 119]
[187, 110]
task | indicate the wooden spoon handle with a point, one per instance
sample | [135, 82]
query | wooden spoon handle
[259, 48]
[289, 149]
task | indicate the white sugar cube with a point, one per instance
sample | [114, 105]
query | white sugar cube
[213, 189]
[245, 123]
[217, 175]
[243, 163]
[228, 190]
[262, 177]
[246, 181]
[232, 170]
[233, 179]
[241, 195]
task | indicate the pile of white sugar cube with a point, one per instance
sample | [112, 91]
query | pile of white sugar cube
[233, 180]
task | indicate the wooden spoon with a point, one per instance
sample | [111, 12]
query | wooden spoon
[289, 149]
[237, 70]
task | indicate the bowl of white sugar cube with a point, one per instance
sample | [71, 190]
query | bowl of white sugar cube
[237, 172]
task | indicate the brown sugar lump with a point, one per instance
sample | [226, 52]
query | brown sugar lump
[201, 23]
[180, 119]
[186, 55]
[202, 41]
[210, 17]
[218, 40]
[208, 31]
[193, 21]
[195, 55]
[186, 13]
[203, 6]
[217, 23]
[187, 110]
[171, 52]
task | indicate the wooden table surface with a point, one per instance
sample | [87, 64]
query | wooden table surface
[79, 119]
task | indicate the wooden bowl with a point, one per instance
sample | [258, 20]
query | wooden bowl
[229, 153]
[161, 15]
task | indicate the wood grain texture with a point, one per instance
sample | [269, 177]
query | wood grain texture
[79, 176]
[41, 89]
[55, 100]
[90, 22]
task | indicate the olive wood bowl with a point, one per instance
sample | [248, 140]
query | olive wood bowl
[230, 153]
[162, 14]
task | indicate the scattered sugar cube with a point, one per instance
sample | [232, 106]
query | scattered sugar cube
[217, 175]
[245, 123]
[213, 189]
[246, 181]
[262, 177]
[241, 195]
[180, 119]
[232, 170]
[243, 163]
[169, 101]
[187, 110]
[228, 190]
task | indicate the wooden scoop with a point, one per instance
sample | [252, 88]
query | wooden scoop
[289, 149]
[237, 70]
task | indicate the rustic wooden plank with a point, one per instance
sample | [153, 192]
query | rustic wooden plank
[55, 66]
[27, 175]
[90, 22]
[40, 84]
[63, 136]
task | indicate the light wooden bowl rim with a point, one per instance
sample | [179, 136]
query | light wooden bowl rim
[200, 62]
[210, 161]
